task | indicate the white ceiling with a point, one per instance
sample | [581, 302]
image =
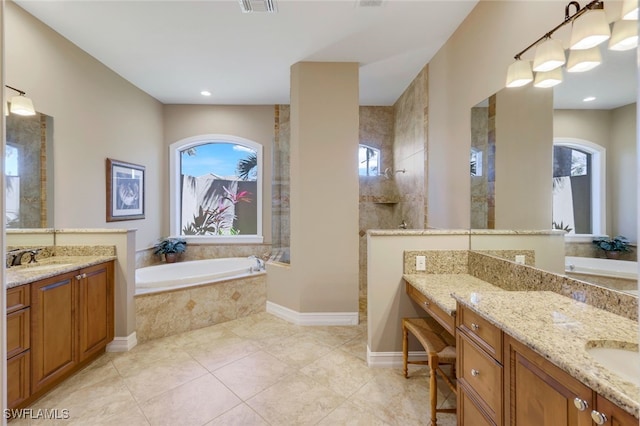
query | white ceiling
[172, 50]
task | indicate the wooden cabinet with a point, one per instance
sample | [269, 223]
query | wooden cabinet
[609, 414]
[479, 368]
[541, 393]
[54, 304]
[95, 314]
[468, 412]
[18, 345]
[56, 326]
[446, 320]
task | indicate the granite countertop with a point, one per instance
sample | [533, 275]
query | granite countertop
[438, 287]
[561, 329]
[49, 267]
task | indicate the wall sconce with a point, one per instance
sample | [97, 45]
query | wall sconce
[20, 104]
[590, 29]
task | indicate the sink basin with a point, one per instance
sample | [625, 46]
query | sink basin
[623, 361]
[46, 267]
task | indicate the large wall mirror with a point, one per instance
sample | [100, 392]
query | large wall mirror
[593, 149]
[29, 172]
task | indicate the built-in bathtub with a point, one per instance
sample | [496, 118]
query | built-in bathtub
[615, 274]
[177, 297]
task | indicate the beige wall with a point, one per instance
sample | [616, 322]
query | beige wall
[97, 115]
[470, 67]
[255, 123]
[523, 159]
[323, 275]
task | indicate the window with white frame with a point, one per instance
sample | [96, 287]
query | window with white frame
[216, 189]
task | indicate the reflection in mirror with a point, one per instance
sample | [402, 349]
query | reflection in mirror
[29, 171]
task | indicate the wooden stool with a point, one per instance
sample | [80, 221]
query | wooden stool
[440, 348]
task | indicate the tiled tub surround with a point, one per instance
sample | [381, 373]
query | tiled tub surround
[176, 311]
[561, 330]
[205, 251]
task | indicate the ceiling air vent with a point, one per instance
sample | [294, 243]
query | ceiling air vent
[370, 3]
[264, 6]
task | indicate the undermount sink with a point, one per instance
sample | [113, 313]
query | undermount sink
[47, 266]
[620, 357]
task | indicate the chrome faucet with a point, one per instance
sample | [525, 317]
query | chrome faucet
[14, 257]
[259, 264]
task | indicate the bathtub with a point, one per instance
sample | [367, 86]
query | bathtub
[177, 297]
[615, 274]
[170, 276]
[603, 267]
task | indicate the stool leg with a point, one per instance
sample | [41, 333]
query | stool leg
[433, 387]
[405, 351]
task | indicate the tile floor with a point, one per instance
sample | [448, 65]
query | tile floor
[258, 370]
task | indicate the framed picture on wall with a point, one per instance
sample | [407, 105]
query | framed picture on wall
[125, 191]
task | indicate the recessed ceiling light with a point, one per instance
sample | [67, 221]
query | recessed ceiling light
[205, 93]
[589, 99]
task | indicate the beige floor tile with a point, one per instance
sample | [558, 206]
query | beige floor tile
[297, 350]
[217, 353]
[145, 355]
[252, 374]
[240, 415]
[193, 403]
[88, 404]
[335, 335]
[99, 370]
[165, 374]
[356, 347]
[295, 400]
[262, 326]
[130, 417]
[341, 372]
[348, 414]
[396, 400]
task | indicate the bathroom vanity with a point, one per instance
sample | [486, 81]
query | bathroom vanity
[60, 317]
[524, 356]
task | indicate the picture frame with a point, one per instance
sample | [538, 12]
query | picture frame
[125, 190]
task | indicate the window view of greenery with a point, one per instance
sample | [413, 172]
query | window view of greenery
[218, 189]
[368, 161]
[572, 190]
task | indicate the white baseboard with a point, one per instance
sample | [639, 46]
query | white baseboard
[123, 344]
[392, 359]
[312, 318]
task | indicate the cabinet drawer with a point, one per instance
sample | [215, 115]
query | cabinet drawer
[481, 331]
[18, 326]
[482, 376]
[18, 383]
[469, 414]
[446, 320]
[18, 298]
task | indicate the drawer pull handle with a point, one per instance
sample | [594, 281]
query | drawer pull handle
[580, 404]
[598, 417]
[78, 277]
[426, 303]
[474, 326]
[474, 372]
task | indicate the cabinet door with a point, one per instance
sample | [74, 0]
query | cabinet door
[612, 415]
[18, 329]
[18, 387]
[543, 395]
[468, 413]
[53, 348]
[95, 307]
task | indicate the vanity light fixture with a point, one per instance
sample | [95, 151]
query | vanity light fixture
[630, 10]
[584, 60]
[549, 55]
[591, 30]
[589, 99]
[548, 78]
[624, 35]
[519, 73]
[205, 93]
[20, 104]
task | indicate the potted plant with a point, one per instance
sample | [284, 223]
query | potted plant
[170, 247]
[612, 246]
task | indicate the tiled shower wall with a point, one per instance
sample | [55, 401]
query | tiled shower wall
[410, 150]
[483, 119]
[280, 228]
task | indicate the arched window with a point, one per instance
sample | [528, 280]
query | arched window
[579, 204]
[216, 189]
[368, 160]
